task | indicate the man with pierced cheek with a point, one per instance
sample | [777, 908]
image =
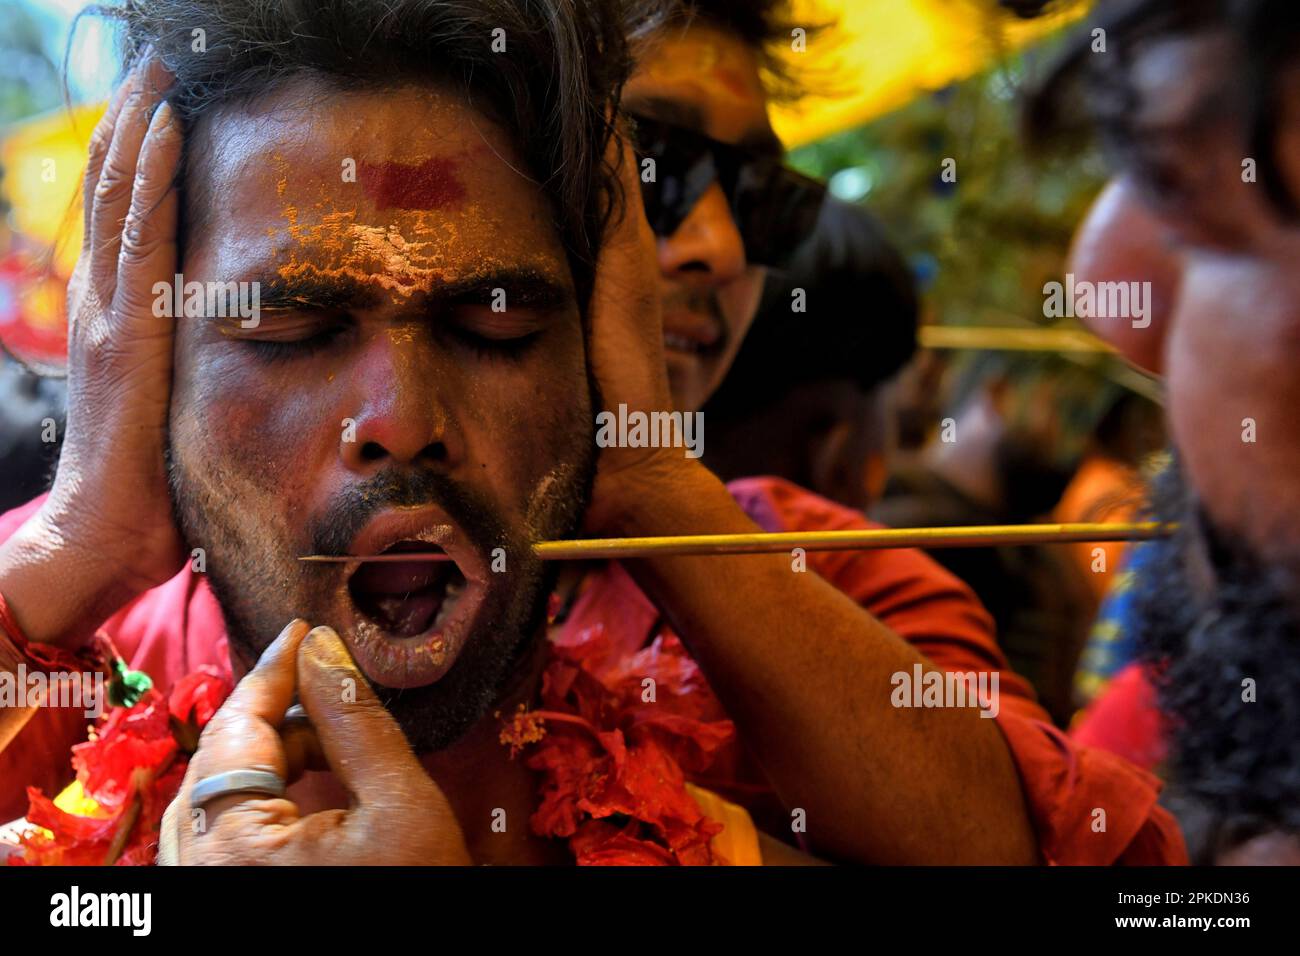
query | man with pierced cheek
[417, 377]
[381, 403]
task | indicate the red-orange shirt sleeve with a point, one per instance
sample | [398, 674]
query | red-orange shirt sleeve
[39, 754]
[1087, 806]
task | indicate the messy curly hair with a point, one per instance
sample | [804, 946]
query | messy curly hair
[554, 87]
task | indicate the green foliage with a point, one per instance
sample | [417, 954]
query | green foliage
[29, 78]
[984, 245]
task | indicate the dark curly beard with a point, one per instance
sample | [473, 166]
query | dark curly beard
[1234, 765]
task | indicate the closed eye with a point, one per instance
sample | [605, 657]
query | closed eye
[285, 336]
[489, 332]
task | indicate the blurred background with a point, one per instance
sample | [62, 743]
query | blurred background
[887, 92]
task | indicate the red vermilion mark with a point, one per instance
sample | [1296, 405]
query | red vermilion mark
[430, 185]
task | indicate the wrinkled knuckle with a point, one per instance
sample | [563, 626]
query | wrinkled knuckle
[112, 187]
[77, 293]
[100, 340]
[138, 240]
[85, 305]
[246, 834]
[215, 729]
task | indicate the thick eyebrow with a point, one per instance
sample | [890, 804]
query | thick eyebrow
[315, 292]
[526, 287]
[523, 287]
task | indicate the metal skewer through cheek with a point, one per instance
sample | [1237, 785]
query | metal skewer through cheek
[779, 542]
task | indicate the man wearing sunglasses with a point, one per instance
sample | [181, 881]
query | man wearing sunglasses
[725, 214]
[718, 196]
[791, 655]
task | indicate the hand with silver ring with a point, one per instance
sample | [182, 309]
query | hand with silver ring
[233, 808]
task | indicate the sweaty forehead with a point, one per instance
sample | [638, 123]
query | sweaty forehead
[408, 187]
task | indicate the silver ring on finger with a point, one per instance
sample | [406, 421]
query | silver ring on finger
[236, 781]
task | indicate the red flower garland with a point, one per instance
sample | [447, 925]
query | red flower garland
[613, 742]
[132, 766]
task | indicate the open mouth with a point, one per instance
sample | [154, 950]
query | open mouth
[412, 616]
[407, 598]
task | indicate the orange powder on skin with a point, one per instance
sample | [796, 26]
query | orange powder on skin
[416, 250]
[412, 254]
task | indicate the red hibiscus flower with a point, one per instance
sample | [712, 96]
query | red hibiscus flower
[129, 771]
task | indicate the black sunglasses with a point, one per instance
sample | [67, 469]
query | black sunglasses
[774, 207]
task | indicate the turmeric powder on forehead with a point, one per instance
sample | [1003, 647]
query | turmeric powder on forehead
[414, 254]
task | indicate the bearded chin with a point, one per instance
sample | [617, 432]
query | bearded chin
[1219, 650]
[243, 576]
